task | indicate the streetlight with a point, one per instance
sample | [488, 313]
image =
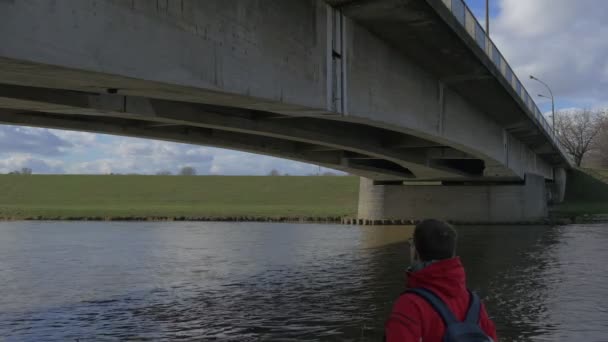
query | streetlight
[488, 17]
[545, 96]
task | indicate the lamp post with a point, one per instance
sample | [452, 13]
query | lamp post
[488, 17]
[545, 96]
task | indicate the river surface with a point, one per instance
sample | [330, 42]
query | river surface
[282, 282]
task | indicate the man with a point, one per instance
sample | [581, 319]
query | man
[435, 268]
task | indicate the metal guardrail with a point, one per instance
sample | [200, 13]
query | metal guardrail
[466, 18]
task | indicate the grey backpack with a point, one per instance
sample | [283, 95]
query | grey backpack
[455, 330]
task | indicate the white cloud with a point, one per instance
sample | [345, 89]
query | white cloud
[131, 155]
[98, 166]
[79, 141]
[241, 163]
[87, 153]
[148, 157]
[158, 152]
[31, 140]
[17, 161]
[562, 42]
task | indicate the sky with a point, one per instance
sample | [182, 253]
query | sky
[562, 42]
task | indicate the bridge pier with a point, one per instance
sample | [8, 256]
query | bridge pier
[461, 203]
[558, 188]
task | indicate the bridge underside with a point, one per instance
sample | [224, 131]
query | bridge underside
[294, 79]
[388, 90]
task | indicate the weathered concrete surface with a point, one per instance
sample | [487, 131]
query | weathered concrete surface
[464, 203]
[273, 50]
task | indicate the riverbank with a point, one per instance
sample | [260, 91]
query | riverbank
[270, 219]
[204, 198]
[310, 199]
[586, 196]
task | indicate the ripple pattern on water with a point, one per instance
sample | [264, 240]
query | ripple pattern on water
[283, 282]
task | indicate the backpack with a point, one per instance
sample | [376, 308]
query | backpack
[455, 330]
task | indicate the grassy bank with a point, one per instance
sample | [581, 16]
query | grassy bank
[586, 193]
[67, 196]
[221, 197]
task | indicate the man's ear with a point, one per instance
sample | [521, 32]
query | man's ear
[416, 256]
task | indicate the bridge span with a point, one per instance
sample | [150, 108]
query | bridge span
[411, 95]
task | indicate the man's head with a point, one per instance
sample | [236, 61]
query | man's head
[434, 240]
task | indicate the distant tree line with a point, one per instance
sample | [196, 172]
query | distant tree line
[184, 171]
[23, 171]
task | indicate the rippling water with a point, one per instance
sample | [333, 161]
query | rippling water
[248, 282]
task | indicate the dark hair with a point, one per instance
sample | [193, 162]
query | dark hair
[435, 240]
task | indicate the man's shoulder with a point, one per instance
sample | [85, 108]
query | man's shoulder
[408, 301]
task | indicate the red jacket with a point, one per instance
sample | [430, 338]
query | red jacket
[413, 319]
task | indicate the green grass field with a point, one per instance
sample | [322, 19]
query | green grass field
[220, 197]
[67, 196]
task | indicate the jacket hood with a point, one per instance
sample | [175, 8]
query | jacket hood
[446, 277]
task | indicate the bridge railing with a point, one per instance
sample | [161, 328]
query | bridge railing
[467, 19]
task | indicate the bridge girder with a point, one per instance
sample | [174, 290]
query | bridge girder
[366, 151]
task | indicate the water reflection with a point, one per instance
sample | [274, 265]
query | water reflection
[250, 282]
[505, 265]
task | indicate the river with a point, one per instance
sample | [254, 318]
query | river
[97, 281]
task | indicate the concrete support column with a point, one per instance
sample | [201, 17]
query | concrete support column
[372, 200]
[459, 203]
[558, 188]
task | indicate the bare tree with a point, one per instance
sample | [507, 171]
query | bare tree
[576, 131]
[187, 171]
[274, 172]
[601, 142]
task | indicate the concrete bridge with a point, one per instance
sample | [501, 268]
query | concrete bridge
[411, 95]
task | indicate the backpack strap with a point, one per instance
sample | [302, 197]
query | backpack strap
[474, 309]
[446, 314]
